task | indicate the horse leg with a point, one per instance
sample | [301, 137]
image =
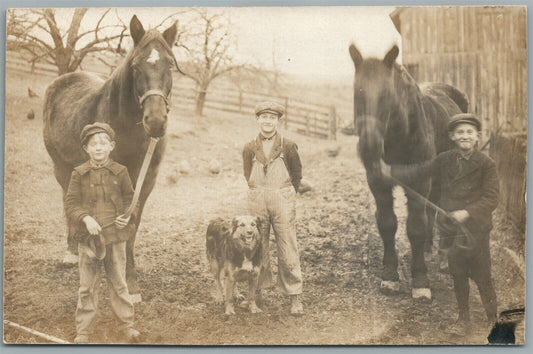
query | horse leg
[387, 226]
[434, 196]
[416, 232]
[62, 173]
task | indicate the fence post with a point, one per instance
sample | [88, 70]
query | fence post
[240, 100]
[286, 111]
[332, 134]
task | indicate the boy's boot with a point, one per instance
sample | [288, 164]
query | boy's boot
[81, 339]
[132, 335]
[297, 308]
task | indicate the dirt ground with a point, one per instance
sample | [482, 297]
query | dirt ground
[339, 245]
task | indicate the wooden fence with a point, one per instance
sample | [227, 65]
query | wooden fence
[303, 117]
[308, 118]
[510, 154]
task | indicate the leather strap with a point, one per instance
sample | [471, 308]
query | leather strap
[153, 92]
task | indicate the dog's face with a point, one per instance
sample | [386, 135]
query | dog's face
[246, 231]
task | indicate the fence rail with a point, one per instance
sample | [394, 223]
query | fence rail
[308, 118]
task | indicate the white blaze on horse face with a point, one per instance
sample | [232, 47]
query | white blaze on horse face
[153, 57]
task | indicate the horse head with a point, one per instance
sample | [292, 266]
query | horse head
[382, 94]
[150, 69]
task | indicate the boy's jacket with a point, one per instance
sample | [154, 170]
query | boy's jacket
[80, 200]
[475, 188]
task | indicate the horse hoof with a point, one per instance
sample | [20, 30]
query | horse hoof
[421, 294]
[229, 311]
[389, 287]
[255, 309]
[70, 258]
[136, 298]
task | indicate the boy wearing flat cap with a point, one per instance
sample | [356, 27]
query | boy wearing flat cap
[469, 193]
[99, 192]
[273, 171]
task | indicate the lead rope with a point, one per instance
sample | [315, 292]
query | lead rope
[140, 179]
[469, 237]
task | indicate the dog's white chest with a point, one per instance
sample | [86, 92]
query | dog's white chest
[247, 265]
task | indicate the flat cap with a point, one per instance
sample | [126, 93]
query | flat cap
[271, 107]
[95, 128]
[468, 118]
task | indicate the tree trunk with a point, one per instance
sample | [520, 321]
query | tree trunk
[200, 100]
[62, 68]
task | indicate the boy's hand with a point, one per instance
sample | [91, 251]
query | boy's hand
[92, 225]
[121, 221]
[385, 169]
[460, 215]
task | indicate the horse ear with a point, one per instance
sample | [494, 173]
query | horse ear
[170, 34]
[391, 56]
[136, 30]
[356, 56]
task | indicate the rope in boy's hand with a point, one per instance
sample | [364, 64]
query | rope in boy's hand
[470, 241]
[138, 186]
[121, 221]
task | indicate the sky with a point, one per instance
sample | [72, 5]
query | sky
[313, 41]
[309, 42]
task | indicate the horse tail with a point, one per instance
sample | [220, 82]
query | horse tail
[457, 96]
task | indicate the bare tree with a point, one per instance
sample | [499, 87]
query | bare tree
[37, 33]
[207, 47]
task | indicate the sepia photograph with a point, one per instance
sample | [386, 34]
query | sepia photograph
[296, 175]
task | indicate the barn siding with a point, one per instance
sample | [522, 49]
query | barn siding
[488, 62]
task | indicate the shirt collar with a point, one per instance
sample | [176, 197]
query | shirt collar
[467, 155]
[274, 153]
[111, 165]
[272, 138]
[97, 165]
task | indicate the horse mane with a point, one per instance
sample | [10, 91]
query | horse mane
[412, 99]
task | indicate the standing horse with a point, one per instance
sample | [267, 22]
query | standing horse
[133, 101]
[401, 123]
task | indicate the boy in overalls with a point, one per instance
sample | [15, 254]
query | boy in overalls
[273, 171]
[469, 193]
[99, 192]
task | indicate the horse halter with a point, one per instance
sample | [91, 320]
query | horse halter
[155, 92]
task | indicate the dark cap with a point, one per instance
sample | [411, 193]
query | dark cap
[270, 107]
[461, 118]
[95, 128]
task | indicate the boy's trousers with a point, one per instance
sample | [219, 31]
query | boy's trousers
[475, 264]
[115, 268]
[273, 199]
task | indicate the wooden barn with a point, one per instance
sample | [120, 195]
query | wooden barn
[481, 50]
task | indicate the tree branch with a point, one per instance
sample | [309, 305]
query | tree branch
[54, 30]
[75, 27]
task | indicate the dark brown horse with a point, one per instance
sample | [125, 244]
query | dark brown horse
[401, 123]
[134, 101]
